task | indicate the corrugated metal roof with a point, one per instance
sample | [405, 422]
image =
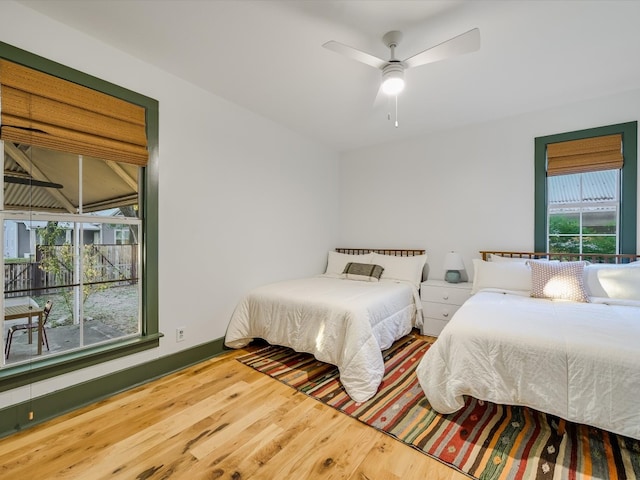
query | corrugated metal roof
[105, 184]
[17, 196]
[596, 187]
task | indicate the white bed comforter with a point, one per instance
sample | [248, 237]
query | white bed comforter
[579, 361]
[343, 322]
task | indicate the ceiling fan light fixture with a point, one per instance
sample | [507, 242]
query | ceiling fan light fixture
[393, 78]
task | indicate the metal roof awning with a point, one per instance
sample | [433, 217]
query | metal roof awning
[46, 180]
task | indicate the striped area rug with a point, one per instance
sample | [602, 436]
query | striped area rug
[483, 440]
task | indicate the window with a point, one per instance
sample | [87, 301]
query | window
[122, 236]
[582, 212]
[586, 200]
[79, 214]
[83, 263]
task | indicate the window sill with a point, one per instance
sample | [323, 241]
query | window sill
[25, 374]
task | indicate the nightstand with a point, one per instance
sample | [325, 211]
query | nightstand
[440, 300]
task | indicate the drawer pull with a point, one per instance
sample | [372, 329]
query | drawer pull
[445, 314]
[445, 297]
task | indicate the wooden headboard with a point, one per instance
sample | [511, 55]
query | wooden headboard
[565, 257]
[381, 251]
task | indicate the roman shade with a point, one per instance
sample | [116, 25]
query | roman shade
[46, 111]
[585, 155]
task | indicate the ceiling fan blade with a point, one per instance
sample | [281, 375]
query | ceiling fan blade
[381, 100]
[355, 54]
[31, 181]
[464, 43]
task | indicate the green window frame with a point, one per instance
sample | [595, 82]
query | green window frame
[628, 182]
[13, 377]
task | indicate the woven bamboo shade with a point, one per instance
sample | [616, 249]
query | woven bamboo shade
[46, 111]
[585, 155]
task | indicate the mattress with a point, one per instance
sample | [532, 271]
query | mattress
[579, 361]
[343, 322]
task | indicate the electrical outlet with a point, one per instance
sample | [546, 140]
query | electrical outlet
[180, 334]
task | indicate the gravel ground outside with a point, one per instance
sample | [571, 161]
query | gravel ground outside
[116, 307]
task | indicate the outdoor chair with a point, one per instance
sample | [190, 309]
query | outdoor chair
[30, 325]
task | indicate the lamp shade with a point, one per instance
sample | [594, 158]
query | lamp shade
[453, 261]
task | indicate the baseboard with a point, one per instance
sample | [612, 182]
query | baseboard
[16, 417]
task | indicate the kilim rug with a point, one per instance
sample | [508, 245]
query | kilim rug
[483, 440]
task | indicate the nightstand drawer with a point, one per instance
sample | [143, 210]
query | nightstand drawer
[439, 311]
[433, 326]
[453, 296]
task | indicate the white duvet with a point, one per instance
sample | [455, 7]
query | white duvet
[579, 361]
[343, 322]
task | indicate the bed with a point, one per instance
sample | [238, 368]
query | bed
[343, 317]
[511, 344]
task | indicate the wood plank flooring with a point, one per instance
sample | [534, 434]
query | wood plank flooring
[209, 422]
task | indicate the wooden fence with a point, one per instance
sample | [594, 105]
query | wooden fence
[112, 264]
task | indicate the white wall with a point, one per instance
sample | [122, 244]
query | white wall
[243, 201]
[466, 189]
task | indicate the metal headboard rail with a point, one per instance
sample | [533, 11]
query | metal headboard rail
[382, 251]
[566, 257]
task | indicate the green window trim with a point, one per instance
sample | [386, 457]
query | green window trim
[12, 377]
[16, 417]
[628, 180]
[25, 374]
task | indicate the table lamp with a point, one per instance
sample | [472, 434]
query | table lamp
[453, 264]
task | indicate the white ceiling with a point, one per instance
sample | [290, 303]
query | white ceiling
[266, 55]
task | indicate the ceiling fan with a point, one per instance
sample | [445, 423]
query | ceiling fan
[393, 69]
[25, 180]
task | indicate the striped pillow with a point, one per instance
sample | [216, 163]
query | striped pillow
[558, 280]
[363, 271]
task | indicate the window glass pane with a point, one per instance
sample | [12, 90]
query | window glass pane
[38, 179]
[563, 189]
[564, 222]
[111, 308]
[60, 333]
[599, 244]
[599, 221]
[562, 244]
[38, 268]
[599, 186]
[110, 291]
[58, 260]
[108, 185]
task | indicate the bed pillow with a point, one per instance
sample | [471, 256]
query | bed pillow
[613, 281]
[406, 269]
[501, 276]
[336, 262]
[558, 280]
[367, 272]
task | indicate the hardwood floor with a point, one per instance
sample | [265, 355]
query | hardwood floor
[218, 419]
